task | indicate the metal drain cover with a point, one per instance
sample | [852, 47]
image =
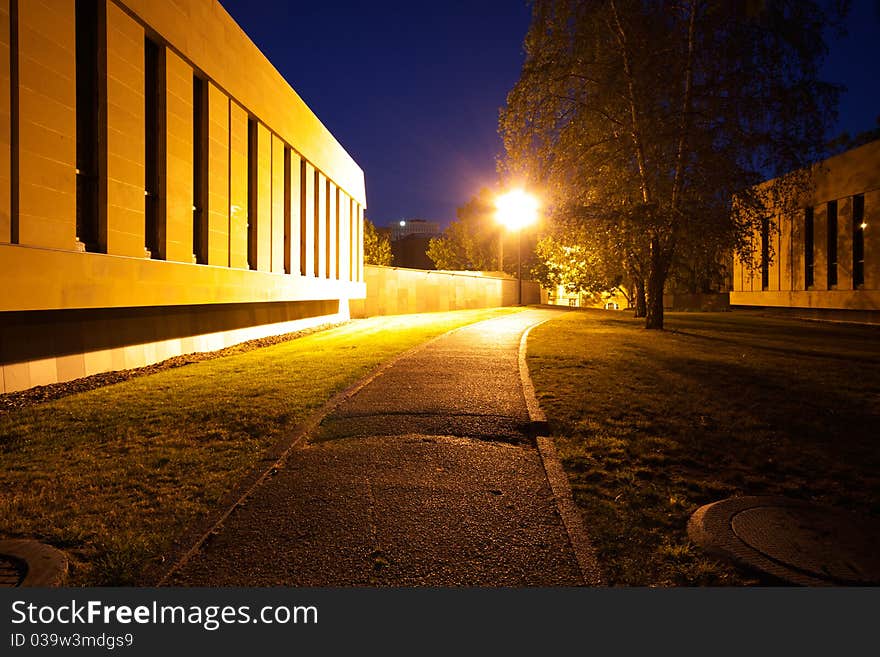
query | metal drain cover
[793, 540]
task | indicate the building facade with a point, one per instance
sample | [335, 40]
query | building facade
[824, 259]
[163, 190]
[407, 227]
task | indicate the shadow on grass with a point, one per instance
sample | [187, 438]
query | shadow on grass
[653, 424]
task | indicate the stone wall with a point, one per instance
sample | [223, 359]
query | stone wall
[397, 291]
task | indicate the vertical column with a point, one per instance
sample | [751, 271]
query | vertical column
[264, 198]
[332, 230]
[344, 237]
[126, 129]
[238, 186]
[47, 123]
[353, 233]
[872, 240]
[820, 247]
[776, 265]
[844, 243]
[360, 242]
[278, 205]
[5, 123]
[307, 206]
[218, 177]
[792, 236]
[320, 225]
[179, 159]
[737, 273]
[294, 211]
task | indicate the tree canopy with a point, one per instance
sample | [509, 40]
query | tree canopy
[471, 240]
[643, 120]
[377, 246]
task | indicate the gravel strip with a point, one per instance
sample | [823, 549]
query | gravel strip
[14, 401]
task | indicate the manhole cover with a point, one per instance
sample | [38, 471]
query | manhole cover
[12, 572]
[26, 562]
[792, 540]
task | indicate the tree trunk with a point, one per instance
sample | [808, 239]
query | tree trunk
[639, 294]
[654, 299]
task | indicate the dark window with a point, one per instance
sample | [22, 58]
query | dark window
[808, 248]
[252, 194]
[88, 96]
[154, 131]
[832, 243]
[286, 210]
[302, 218]
[765, 253]
[200, 170]
[858, 269]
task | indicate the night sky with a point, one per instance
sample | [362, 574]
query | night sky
[412, 89]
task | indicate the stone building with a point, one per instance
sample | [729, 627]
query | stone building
[823, 260]
[163, 190]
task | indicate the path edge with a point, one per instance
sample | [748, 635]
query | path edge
[275, 457]
[556, 477]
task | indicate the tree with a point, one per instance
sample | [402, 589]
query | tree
[653, 121]
[569, 256]
[377, 246]
[471, 241]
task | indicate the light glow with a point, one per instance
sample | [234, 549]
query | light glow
[516, 209]
[863, 225]
[402, 223]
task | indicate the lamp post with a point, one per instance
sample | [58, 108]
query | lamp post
[515, 210]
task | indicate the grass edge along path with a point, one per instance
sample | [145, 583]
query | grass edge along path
[650, 425]
[115, 475]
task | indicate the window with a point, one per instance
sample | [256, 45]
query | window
[153, 133]
[858, 214]
[808, 248]
[832, 243]
[88, 94]
[252, 194]
[200, 170]
[765, 253]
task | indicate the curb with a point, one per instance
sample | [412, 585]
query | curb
[556, 477]
[283, 447]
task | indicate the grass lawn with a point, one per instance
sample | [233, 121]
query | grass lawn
[651, 425]
[114, 475]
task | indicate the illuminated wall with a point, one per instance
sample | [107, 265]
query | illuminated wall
[399, 291]
[162, 190]
[826, 255]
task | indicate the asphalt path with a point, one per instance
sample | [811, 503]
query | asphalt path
[426, 477]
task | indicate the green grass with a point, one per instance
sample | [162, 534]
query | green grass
[115, 475]
[651, 425]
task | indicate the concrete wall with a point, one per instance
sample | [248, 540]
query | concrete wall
[48, 274]
[839, 179]
[396, 291]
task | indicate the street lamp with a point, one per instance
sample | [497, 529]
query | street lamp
[517, 209]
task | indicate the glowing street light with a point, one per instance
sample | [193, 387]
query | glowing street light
[517, 209]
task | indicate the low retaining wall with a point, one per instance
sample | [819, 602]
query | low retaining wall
[398, 291]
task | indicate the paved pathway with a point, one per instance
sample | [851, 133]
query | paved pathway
[425, 477]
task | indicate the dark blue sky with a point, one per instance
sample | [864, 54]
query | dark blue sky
[412, 89]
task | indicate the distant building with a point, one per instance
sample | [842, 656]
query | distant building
[826, 256]
[406, 227]
[163, 190]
